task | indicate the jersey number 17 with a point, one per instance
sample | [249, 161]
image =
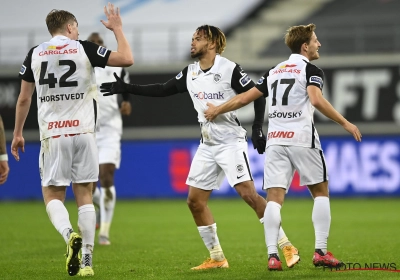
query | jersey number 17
[289, 83]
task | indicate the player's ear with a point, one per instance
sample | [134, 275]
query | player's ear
[212, 45]
[304, 47]
[69, 28]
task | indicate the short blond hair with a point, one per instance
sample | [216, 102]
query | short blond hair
[296, 36]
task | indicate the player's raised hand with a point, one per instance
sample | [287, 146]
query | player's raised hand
[17, 143]
[115, 87]
[353, 130]
[113, 17]
[211, 112]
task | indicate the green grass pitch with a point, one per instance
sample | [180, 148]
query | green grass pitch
[157, 239]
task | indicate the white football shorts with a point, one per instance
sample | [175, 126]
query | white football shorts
[282, 161]
[212, 162]
[68, 158]
[109, 146]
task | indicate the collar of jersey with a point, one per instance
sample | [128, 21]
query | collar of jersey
[296, 56]
[59, 37]
[214, 68]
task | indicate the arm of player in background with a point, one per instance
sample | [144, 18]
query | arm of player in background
[126, 107]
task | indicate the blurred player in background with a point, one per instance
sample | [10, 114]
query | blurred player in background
[62, 71]
[4, 169]
[108, 139]
[294, 90]
[223, 146]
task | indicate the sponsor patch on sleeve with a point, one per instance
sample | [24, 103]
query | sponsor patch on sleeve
[23, 69]
[245, 80]
[260, 81]
[179, 75]
[102, 51]
[317, 80]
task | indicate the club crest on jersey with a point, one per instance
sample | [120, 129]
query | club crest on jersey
[194, 75]
[317, 80]
[179, 75]
[102, 51]
[260, 81]
[239, 168]
[23, 69]
[217, 77]
[245, 80]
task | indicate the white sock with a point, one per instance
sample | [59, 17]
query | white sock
[96, 197]
[321, 217]
[59, 217]
[272, 223]
[107, 205]
[87, 227]
[210, 239]
[282, 238]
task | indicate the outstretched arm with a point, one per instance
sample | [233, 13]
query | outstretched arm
[323, 105]
[154, 90]
[237, 102]
[173, 86]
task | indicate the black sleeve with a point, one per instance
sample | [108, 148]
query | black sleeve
[262, 84]
[171, 87]
[259, 111]
[125, 96]
[240, 82]
[314, 76]
[98, 55]
[26, 72]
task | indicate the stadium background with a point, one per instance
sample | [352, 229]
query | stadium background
[360, 56]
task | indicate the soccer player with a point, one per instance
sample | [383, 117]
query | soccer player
[4, 169]
[294, 89]
[108, 139]
[62, 72]
[223, 145]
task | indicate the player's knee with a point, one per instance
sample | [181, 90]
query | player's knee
[195, 205]
[106, 180]
[276, 194]
[247, 192]
[320, 189]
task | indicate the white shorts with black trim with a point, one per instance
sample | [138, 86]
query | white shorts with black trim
[282, 161]
[109, 146]
[212, 162]
[69, 158]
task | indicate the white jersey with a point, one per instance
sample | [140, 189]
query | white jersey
[62, 70]
[109, 114]
[291, 115]
[219, 84]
